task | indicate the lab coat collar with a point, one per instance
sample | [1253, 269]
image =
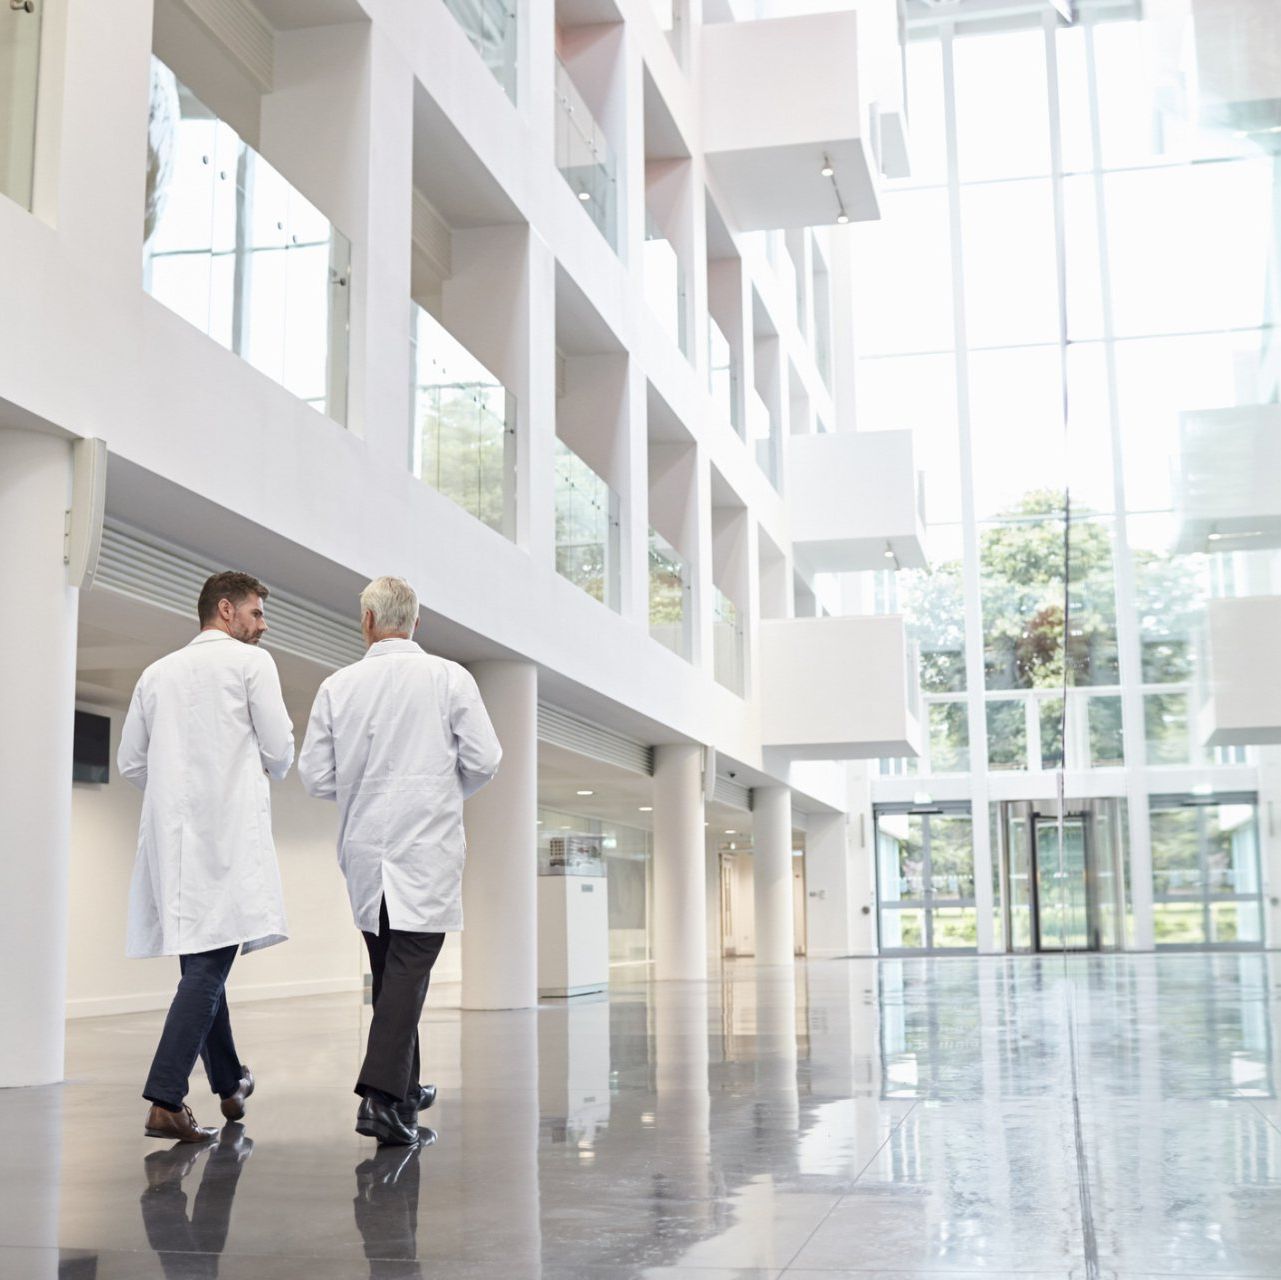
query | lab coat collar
[394, 645]
[211, 634]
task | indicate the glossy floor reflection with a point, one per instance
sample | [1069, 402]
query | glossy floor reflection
[1106, 1116]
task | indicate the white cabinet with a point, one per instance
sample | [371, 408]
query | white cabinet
[573, 935]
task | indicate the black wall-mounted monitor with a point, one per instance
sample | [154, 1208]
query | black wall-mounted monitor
[91, 754]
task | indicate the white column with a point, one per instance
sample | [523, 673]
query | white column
[680, 887]
[500, 904]
[772, 874]
[37, 701]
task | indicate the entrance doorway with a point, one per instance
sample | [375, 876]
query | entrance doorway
[925, 878]
[1062, 884]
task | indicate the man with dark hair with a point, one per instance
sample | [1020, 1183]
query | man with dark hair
[236, 588]
[206, 727]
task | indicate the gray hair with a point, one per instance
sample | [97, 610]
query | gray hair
[393, 603]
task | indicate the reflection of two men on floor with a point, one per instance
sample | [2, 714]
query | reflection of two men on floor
[189, 1243]
[398, 739]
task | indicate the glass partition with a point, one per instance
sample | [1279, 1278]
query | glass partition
[925, 878]
[491, 27]
[585, 158]
[728, 643]
[19, 80]
[627, 853]
[1205, 871]
[234, 249]
[670, 615]
[722, 375]
[463, 437]
[763, 433]
[587, 528]
[665, 283]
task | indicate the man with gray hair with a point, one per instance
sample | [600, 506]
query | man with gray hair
[400, 739]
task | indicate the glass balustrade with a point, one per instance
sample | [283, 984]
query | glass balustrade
[464, 426]
[763, 434]
[722, 376]
[665, 283]
[237, 251]
[728, 643]
[491, 27]
[670, 615]
[587, 528]
[19, 80]
[584, 156]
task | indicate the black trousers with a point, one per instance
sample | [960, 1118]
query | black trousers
[401, 964]
[198, 1025]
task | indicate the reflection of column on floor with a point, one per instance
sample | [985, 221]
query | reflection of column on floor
[776, 1046]
[498, 1219]
[682, 1087]
[680, 885]
[573, 1078]
[500, 938]
[37, 698]
[772, 875]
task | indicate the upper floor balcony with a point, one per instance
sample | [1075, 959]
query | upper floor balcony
[1244, 703]
[856, 502]
[799, 115]
[237, 251]
[838, 688]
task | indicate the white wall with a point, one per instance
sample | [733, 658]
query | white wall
[324, 952]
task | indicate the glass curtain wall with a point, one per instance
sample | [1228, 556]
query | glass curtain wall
[463, 439]
[1080, 265]
[19, 81]
[238, 252]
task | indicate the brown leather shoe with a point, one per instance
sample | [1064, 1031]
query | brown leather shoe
[179, 1126]
[233, 1107]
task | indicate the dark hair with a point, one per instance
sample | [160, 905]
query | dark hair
[228, 585]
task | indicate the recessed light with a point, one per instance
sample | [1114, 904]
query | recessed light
[888, 552]
[587, 793]
[646, 808]
[584, 196]
[827, 171]
[731, 833]
[842, 219]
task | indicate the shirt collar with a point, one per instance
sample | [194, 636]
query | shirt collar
[211, 634]
[394, 645]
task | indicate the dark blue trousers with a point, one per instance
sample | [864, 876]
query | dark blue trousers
[197, 1026]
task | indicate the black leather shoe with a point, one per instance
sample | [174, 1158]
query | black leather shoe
[233, 1106]
[378, 1120]
[420, 1098]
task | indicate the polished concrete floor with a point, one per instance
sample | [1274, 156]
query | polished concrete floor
[1107, 1116]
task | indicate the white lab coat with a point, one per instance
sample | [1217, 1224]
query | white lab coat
[204, 724]
[400, 739]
